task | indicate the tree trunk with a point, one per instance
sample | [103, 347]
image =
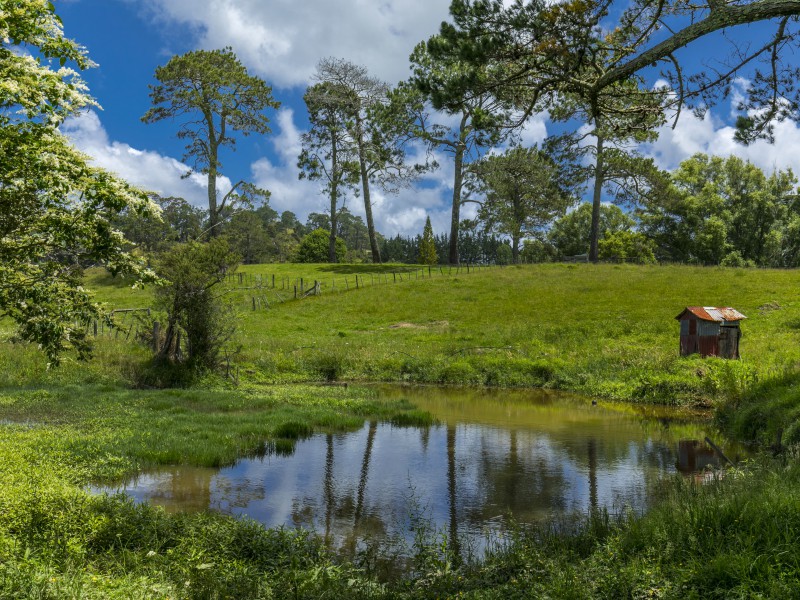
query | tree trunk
[456, 214]
[515, 249]
[334, 202]
[458, 179]
[213, 215]
[599, 174]
[373, 239]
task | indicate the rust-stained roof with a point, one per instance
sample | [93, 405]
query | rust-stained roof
[713, 313]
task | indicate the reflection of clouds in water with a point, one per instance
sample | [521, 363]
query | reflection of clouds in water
[345, 484]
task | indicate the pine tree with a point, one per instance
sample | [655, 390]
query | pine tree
[427, 247]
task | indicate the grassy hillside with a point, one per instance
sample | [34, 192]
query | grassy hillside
[604, 330]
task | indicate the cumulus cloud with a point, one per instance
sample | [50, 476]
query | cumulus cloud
[147, 169]
[282, 40]
[710, 135]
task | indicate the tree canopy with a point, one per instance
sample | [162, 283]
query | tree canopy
[216, 96]
[523, 191]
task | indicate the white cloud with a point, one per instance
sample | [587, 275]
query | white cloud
[149, 170]
[711, 136]
[282, 40]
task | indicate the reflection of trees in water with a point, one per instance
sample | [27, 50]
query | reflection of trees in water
[514, 478]
[327, 486]
[362, 481]
[341, 508]
[451, 490]
[591, 452]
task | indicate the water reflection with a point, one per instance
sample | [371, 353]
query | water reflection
[530, 454]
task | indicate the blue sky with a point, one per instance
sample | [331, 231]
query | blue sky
[281, 41]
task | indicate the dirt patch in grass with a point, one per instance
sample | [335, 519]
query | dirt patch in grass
[432, 325]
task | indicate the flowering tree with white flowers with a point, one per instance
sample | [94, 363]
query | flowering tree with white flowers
[55, 208]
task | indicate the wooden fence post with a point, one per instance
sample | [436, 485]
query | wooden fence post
[156, 328]
[295, 292]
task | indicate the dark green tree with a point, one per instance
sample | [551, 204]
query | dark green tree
[193, 303]
[481, 120]
[427, 246]
[377, 133]
[570, 234]
[217, 98]
[717, 206]
[314, 248]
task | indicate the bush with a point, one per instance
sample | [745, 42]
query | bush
[314, 248]
[194, 271]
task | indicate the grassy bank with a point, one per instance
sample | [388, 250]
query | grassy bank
[735, 537]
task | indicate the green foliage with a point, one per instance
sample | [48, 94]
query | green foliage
[570, 233]
[627, 246]
[427, 246]
[56, 211]
[217, 96]
[193, 301]
[327, 154]
[523, 190]
[179, 222]
[724, 211]
[313, 248]
[482, 120]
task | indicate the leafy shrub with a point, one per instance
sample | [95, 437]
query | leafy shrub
[314, 248]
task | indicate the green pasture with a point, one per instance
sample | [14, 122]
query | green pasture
[603, 330]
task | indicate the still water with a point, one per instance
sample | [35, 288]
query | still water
[530, 454]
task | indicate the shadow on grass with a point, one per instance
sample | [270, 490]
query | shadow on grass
[368, 268]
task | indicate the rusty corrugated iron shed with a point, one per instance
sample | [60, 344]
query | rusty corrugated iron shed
[719, 314]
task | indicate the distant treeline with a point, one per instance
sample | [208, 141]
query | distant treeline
[709, 211]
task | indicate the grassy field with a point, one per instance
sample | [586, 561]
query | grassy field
[602, 330]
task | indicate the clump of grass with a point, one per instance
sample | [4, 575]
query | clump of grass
[293, 430]
[414, 418]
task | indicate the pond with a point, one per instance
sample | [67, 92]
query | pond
[532, 455]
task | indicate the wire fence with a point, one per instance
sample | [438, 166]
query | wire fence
[261, 291]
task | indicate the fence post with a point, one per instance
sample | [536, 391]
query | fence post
[395, 277]
[254, 302]
[295, 292]
[356, 281]
[156, 327]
